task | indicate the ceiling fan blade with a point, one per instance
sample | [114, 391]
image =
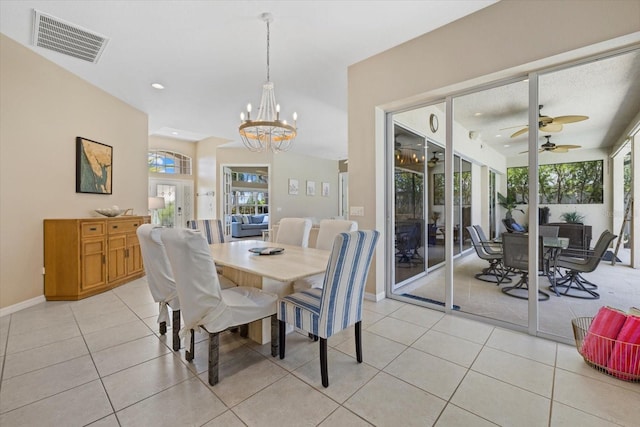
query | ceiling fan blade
[520, 132]
[560, 150]
[569, 119]
[551, 127]
[568, 146]
[523, 152]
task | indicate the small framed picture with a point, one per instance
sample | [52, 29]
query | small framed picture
[311, 188]
[94, 167]
[325, 189]
[293, 186]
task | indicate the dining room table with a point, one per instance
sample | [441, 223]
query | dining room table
[272, 267]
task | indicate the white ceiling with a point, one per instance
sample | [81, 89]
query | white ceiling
[211, 57]
[606, 90]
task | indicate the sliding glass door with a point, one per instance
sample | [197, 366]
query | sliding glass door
[409, 203]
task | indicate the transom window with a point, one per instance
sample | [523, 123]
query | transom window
[170, 162]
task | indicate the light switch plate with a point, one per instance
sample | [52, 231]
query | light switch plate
[356, 211]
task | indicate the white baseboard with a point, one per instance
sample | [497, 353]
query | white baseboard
[21, 305]
[374, 297]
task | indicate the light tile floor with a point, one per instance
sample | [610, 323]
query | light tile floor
[101, 362]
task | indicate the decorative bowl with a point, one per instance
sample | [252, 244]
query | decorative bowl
[110, 212]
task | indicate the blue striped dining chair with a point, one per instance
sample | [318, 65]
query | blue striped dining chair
[338, 305]
[211, 228]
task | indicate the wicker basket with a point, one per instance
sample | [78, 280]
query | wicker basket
[581, 332]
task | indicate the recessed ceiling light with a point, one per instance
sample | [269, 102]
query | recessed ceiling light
[506, 145]
[157, 86]
[498, 136]
[174, 133]
[477, 114]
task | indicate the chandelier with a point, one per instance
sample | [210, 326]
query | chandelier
[267, 131]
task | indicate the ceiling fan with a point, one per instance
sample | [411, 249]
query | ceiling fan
[434, 160]
[550, 146]
[550, 124]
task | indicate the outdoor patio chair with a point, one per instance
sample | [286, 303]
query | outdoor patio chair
[407, 242]
[491, 252]
[516, 258]
[576, 262]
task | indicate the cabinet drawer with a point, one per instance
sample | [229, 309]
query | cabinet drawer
[129, 226]
[93, 229]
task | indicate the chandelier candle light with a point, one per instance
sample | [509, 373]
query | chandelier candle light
[267, 131]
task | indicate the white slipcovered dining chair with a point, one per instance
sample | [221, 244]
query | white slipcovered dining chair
[294, 231]
[204, 304]
[212, 230]
[338, 305]
[160, 278]
[329, 229]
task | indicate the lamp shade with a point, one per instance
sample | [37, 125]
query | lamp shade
[156, 202]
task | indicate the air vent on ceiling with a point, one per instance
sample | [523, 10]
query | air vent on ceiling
[55, 34]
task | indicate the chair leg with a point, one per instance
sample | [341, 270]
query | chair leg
[323, 363]
[176, 330]
[189, 354]
[570, 281]
[274, 335]
[282, 326]
[359, 341]
[163, 328]
[214, 343]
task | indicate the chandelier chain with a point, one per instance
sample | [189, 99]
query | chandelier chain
[268, 33]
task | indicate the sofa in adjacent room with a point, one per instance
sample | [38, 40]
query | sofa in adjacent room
[249, 225]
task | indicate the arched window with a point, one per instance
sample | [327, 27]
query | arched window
[164, 161]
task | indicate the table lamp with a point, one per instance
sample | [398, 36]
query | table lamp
[156, 203]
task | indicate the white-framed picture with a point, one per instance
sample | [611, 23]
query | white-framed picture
[311, 188]
[293, 186]
[325, 189]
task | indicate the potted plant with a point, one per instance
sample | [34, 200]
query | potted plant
[435, 216]
[509, 203]
[572, 217]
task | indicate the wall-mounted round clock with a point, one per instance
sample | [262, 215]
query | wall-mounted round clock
[433, 123]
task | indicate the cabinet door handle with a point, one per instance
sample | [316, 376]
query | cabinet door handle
[93, 229]
[135, 225]
[115, 226]
[104, 259]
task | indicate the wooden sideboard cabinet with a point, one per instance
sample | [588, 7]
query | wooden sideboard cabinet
[83, 257]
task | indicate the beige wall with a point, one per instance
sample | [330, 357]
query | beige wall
[282, 167]
[207, 173]
[43, 108]
[501, 40]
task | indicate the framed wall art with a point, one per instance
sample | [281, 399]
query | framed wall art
[94, 167]
[293, 186]
[311, 188]
[325, 189]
